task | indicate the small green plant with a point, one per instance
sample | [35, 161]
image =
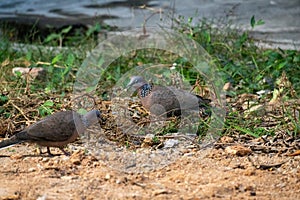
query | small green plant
[3, 99]
[46, 108]
[255, 132]
[255, 23]
[58, 37]
[170, 127]
[4, 111]
[203, 127]
[59, 78]
[155, 140]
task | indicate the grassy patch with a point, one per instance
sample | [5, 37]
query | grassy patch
[248, 68]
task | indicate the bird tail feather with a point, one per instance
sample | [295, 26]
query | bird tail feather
[9, 142]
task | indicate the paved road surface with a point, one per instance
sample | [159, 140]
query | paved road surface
[281, 28]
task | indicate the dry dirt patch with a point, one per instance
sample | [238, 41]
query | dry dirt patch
[218, 175]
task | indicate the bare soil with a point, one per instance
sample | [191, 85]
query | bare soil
[219, 174]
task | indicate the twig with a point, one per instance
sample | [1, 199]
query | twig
[48, 63]
[27, 89]
[266, 166]
[20, 110]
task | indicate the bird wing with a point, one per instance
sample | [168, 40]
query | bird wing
[57, 127]
[186, 99]
[173, 98]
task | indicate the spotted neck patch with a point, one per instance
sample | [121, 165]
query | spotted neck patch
[145, 90]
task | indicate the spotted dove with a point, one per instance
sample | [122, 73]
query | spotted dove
[56, 130]
[160, 100]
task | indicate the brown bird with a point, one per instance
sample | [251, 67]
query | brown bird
[160, 100]
[56, 130]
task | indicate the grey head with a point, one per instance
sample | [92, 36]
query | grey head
[136, 82]
[91, 117]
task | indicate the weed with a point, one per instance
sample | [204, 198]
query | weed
[46, 108]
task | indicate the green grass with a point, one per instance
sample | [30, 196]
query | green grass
[239, 61]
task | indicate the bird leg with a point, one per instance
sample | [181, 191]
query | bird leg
[49, 152]
[39, 150]
[65, 152]
[61, 148]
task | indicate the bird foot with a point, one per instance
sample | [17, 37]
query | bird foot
[49, 152]
[65, 152]
[40, 152]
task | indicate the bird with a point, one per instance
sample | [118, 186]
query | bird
[165, 100]
[56, 130]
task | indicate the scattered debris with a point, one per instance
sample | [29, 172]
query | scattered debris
[238, 150]
[31, 73]
[266, 166]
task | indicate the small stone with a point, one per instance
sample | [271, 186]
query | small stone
[249, 171]
[44, 197]
[148, 141]
[238, 150]
[107, 176]
[226, 139]
[160, 191]
[65, 158]
[149, 138]
[119, 181]
[252, 193]
[227, 86]
[16, 156]
[45, 159]
[36, 72]
[32, 169]
[76, 161]
[189, 154]
[170, 143]
[185, 151]
[69, 177]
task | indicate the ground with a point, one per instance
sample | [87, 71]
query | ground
[250, 161]
[237, 166]
[214, 173]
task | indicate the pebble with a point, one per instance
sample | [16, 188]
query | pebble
[107, 176]
[36, 72]
[170, 143]
[76, 161]
[119, 181]
[69, 177]
[32, 169]
[238, 150]
[44, 197]
[45, 159]
[16, 156]
[160, 191]
[149, 138]
[189, 154]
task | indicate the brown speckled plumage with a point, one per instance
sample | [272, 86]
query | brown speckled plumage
[56, 130]
[160, 100]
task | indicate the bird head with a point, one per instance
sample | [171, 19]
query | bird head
[91, 117]
[136, 82]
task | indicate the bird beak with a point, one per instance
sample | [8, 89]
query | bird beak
[129, 84]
